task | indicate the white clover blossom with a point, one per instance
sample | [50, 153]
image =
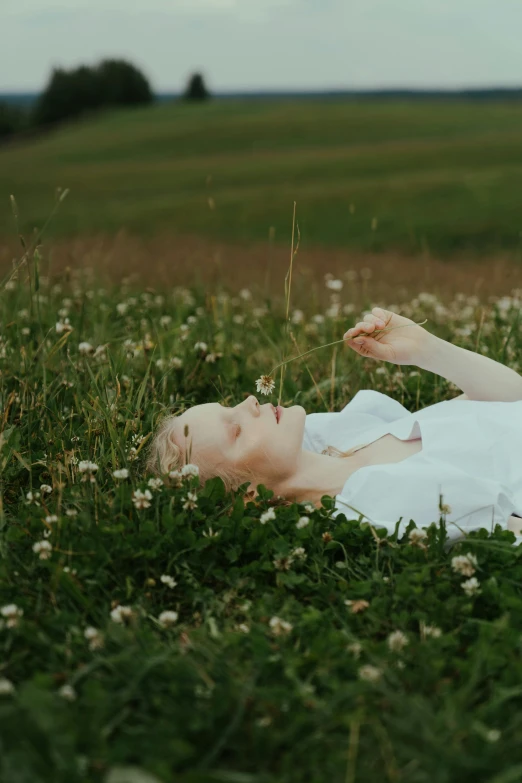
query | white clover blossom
[369, 673]
[355, 648]
[302, 522]
[88, 469]
[280, 627]
[427, 631]
[267, 516]
[46, 489]
[176, 477]
[67, 692]
[168, 580]
[85, 348]
[12, 614]
[6, 687]
[191, 501]
[397, 640]
[122, 614]
[299, 553]
[283, 563]
[51, 519]
[121, 473]
[71, 512]
[43, 549]
[201, 347]
[63, 326]
[417, 536]
[168, 618]
[155, 484]
[334, 285]
[464, 564]
[471, 586]
[141, 499]
[309, 508]
[211, 533]
[265, 384]
[32, 497]
[94, 637]
[189, 470]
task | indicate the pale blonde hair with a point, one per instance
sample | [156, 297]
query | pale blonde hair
[166, 455]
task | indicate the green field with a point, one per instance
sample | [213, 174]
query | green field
[444, 176]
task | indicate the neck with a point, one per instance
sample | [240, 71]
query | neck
[317, 475]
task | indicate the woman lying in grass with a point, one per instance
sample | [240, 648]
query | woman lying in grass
[461, 457]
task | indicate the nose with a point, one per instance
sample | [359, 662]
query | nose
[254, 404]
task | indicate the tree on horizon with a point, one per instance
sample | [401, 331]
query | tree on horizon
[196, 89]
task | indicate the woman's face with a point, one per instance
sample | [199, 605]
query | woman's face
[247, 437]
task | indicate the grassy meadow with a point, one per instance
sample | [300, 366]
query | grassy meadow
[152, 633]
[441, 177]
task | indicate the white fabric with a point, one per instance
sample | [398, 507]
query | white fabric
[471, 455]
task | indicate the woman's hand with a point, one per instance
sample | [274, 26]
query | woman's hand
[399, 346]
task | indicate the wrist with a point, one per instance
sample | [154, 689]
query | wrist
[430, 350]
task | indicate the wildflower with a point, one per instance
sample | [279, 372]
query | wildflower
[464, 564]
[88, 469]
[201, 347]
[493, 735]
[355, 648]
[357, 606]
[94, 637]
[121, 473]
[121, 308]
[165, 321]
[67, 692]
[190, 470]
[429, 630]
[43, 549]
[168, 580]
[211, 533]
[416, 536]
[309, 508]
[243, 627]
[267, 516]
[280, 627]
[32, 497]
[211, 358]
[71, 512]
[265, 384]
[6, 687]
[141, 499]
[191, 501]
[397, 640]
[122, 614]
[445, 508]
[471, 586]
[238, 319]
[12, 613]
[302, 522]
[46, 488]
[334, 285]
[176, 478]
[167, 618]
[51, 518]
[370, 673]
[155, 483]
[297, 317]
[299, 553]
[283, 563]
[63, 326]
[176, 362]
[85, 349]
[245, 294]
[327, 537]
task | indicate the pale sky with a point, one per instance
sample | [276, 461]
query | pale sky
[269, 44]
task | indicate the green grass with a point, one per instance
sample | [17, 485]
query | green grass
[219, 696]
[443, 176]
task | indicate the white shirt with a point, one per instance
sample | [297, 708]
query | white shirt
[471, 455]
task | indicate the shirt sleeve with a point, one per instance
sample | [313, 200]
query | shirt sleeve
[350, 426]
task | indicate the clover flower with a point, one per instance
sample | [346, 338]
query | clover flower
[85, 348]
[122, 614]
[429, 630]
[359, 605]
[88, 469]
[369, 673]
[155, 483]
[464, 564]
[46, 488]
[265, 384]
[280, 627]
[191, 501]
[471, 586]
[283, 563]
[416, 537]
[168, 580]
[6, 687]
[189, 470]
[397, 640]
[167, 618]
[12, 613]
[121, 473]
[43, 549]
[267, 516]
[94, 637]
[299, 553]
[141, 499]
[302, 522]
[67, 692]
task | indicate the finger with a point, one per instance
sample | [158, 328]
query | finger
[374, 319]
[374, 349]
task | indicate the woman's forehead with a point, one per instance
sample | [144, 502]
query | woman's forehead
[198, 418]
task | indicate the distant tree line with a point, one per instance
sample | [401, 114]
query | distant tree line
[71, 94]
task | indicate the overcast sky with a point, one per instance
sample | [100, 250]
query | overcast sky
[269, 44]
